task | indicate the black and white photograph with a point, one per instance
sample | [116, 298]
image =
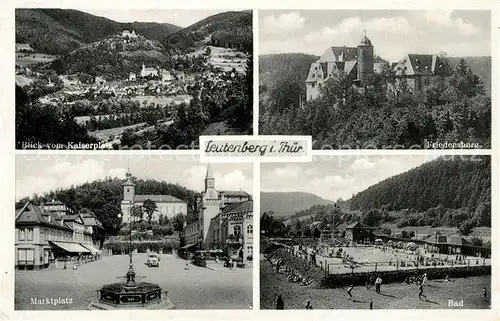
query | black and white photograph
[376, 232]
[131, 79]
[385, 79]
[132, 232]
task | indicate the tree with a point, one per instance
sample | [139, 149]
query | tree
[466, 227]
[372, 218]
[297, 225]
[307, 231]
[136, 212]
[178, 222]
[149, 207]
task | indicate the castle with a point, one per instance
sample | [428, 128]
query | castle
[357, 64]
[167, 205]
[225, 221]
[128, 35]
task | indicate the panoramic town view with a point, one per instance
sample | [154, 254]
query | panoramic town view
[126, 234]
[90, 82]
[377, 78]
[376, 232]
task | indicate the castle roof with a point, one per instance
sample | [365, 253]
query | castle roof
[338, 53]
[158, 198]
[349, 66]
[365, 41]
[420, 65]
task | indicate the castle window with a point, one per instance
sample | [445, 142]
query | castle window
[128, 190]
[21, 235]
[312, 85]
[249, 229]
[237, 230]
[29, 235]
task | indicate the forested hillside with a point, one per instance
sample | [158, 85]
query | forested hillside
[446, 193]
[58, 31]
[383, 114]
[111, 58]
[232, 29]
[284, 204]
[480, 66]
[453, 183]
[103, 197]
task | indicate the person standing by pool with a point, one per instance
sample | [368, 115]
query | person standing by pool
[421, 291]
[308, 305]
[280, 305]
[378, 282]
[349, 292]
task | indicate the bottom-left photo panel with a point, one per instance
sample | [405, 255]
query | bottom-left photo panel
[95, 232]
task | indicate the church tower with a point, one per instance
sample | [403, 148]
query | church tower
[365, 59]
[128, 196]
[210, 204]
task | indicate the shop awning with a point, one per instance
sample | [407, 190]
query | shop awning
[91, 248]
[187, 246]
[71, 247]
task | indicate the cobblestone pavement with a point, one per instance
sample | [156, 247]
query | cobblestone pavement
[191, 288]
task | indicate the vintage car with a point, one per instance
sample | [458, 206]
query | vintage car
[153, 260]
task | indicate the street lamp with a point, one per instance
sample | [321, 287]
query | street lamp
[130, 272]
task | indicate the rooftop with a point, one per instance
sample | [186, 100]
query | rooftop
[158, 198]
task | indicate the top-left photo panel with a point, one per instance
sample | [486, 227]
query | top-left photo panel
[131, 79]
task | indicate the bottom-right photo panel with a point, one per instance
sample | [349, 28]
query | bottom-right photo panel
[376, 232]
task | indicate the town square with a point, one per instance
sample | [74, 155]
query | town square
[130, 241]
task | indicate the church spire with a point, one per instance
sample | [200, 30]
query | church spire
[209, 174]
[209, 179]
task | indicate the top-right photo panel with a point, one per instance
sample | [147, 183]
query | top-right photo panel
[377, 79]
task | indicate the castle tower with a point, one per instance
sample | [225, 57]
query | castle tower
[128, 196]
[365, 58]
[210, 204]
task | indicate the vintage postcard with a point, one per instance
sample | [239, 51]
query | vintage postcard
[131, 79]
[377, 232]
[124, 232]
[385, 79]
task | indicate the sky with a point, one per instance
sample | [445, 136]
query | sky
[43, 173]
[392, 33]
[334, 177]
[181, 18]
